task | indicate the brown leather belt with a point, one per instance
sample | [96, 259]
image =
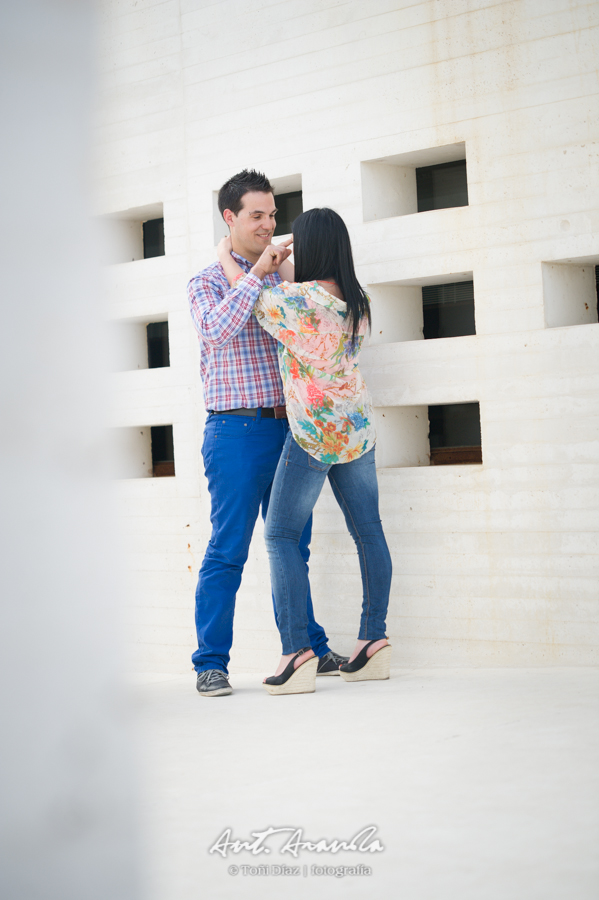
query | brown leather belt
[266, 412]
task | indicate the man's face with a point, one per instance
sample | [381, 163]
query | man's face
[253, 228]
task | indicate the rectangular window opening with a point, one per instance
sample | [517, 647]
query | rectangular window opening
[131, 234]
[289, 207]
[158, 349]
[139, 344]
[442, 186]
[417, 181]
[163, 452]
[570, 292]
[455, 434]
[448, 309]
[153, 238]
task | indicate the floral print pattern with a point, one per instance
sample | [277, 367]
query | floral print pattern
[328, 405]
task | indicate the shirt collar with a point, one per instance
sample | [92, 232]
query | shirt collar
[243, 262]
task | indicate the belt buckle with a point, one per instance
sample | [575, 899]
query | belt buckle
[280, 412]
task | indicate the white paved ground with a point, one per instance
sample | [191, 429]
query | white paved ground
[483, 784]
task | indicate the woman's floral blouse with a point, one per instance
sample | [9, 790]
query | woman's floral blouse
[328, 406]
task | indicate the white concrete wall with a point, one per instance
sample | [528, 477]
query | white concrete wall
[494, 564]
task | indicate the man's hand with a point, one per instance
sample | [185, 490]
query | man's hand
[224, 247]
[271, 259]
[287, 268]
[286, 244]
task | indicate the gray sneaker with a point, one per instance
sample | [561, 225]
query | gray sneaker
[330, 662]
[213, 683]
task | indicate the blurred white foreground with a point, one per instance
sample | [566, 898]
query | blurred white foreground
[66, 825]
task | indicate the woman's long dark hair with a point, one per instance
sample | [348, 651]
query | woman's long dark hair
[322, 251]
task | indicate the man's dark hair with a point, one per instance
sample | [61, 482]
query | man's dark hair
[322, 250]
[232, 191]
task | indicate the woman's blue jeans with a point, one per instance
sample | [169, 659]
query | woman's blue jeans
[296, 487]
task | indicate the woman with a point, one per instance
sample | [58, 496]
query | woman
[320, 318]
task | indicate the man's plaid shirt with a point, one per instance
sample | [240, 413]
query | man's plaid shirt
[238, 359]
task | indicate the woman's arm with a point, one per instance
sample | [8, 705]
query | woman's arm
[278, 312]
[232, 269]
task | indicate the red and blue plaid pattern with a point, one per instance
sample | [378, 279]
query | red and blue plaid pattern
[238, 359]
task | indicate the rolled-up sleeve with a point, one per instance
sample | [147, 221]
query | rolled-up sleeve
[219, 317]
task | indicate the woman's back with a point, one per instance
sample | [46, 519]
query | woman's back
[328, 406]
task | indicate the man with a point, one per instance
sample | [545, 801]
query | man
[246, 427]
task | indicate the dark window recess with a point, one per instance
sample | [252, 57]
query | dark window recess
[163, 452]
[158, 354]
[448, 309]
[289, 207]
[455, 434]
[442, 186]
[153, 232]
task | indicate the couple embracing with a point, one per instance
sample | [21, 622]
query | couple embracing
[287, 408]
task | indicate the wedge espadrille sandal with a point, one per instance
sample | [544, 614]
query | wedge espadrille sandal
[294, 681]
[368, 668]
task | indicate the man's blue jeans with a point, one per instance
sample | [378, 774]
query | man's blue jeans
[296, 487]
[241, 454]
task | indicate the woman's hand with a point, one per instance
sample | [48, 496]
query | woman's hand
[224, 247]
